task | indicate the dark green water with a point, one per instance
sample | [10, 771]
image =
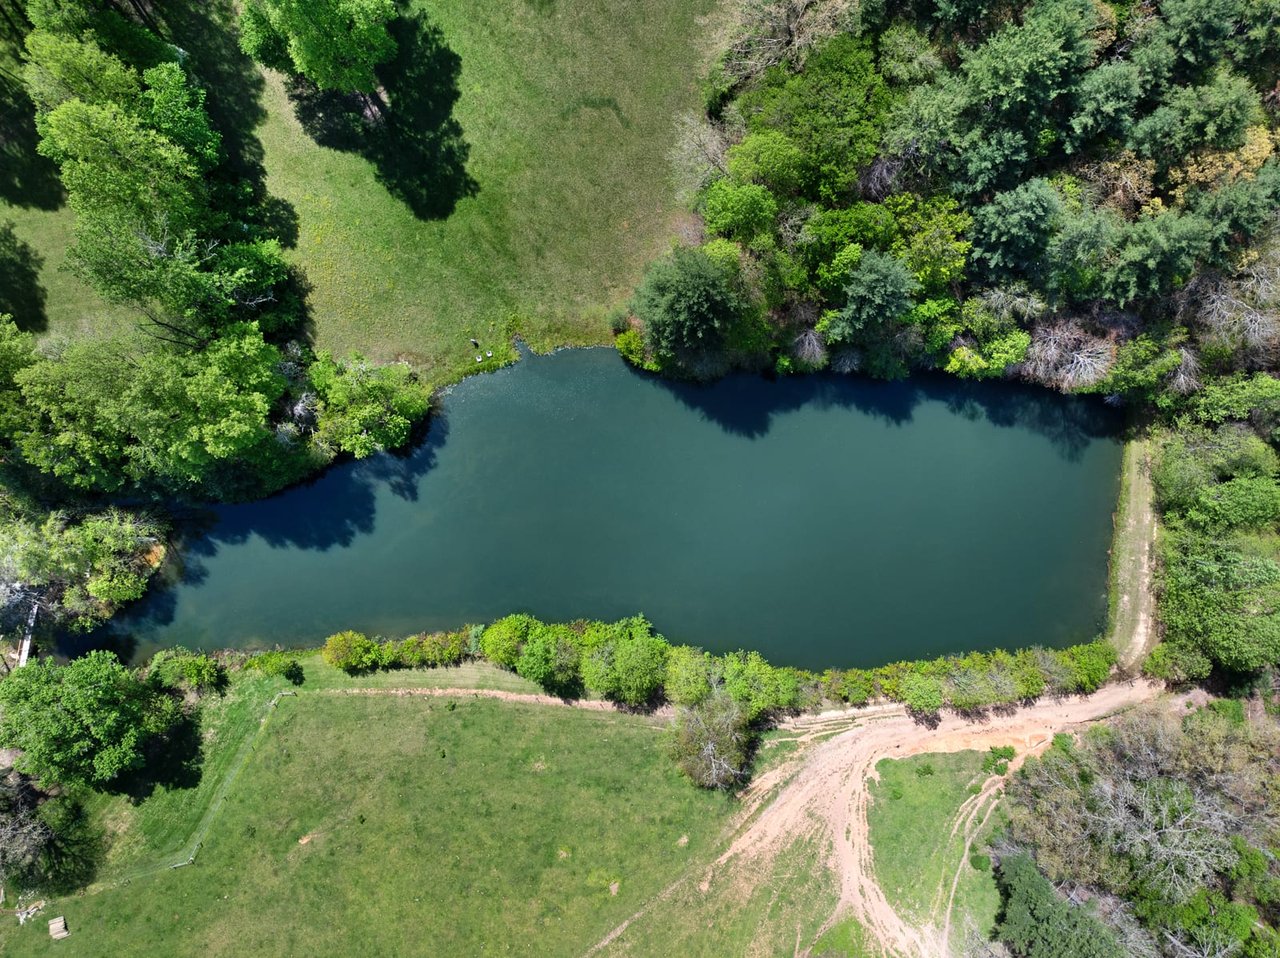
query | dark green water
[821, 520]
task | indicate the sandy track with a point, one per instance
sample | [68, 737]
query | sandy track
[827, 795]
[1133, 561]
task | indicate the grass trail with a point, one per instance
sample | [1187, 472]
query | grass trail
[1132, 604]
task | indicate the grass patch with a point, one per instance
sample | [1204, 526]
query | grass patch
[846, 939]
[916, 856]
[433, 826]
[567, 114]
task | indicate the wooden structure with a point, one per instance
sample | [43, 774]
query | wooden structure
[24, 650]
[58, 927]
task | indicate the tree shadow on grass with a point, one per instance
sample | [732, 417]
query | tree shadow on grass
[173, 760]
[206, 29]
[21, 293]
[27, 179]
[416, 145]
[71, 859]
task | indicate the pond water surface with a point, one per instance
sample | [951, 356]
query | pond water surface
[823, 520]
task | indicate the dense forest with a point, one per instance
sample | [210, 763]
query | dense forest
[216, 394]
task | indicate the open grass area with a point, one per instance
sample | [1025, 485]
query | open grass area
[918, 829]
[565, 114]
[526, 187]
[379, 825]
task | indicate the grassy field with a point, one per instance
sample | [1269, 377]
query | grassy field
[916, 803]
[526, 184]
[377, 825]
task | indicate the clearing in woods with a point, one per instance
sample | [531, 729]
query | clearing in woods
[530, 189]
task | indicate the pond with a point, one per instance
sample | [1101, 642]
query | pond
[823, 520]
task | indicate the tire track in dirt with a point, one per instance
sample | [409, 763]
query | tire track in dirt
[824, 793]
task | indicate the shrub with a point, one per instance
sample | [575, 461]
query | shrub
[753, 683]
[351, 651]
[550, 658]
[689, 675]
[979, 862]
[857, 687]
[278, 663]
[630, 346]
[502, 641]
[922, 694]
[769, 158]
[1090, 664]
[179, 668]
[1177, 662]
[740, 211]
[640, 665]
[997, 759]
[443, 648]
[709, 741]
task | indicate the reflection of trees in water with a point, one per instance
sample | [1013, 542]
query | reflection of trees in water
[328, 512]
[744, 406]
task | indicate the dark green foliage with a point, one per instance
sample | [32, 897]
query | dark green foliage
[1098, 158]
[877, 295]
[1213, 115]
[688, 304]
[1012, 232]
[1036, 923]
[834, 110]
[81, 724]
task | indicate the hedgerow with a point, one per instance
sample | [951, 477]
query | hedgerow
[629, 663]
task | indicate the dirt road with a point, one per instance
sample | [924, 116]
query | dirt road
[1133, 631]
[823, 793]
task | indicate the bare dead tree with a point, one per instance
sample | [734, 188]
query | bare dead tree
[764, 33]
[1064, 355]
[699, 154]
[1016, 303]
[809, 348]
[1186, 378]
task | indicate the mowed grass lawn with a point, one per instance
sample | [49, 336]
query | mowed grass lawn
[562, 114]
[569, 111]
[432, 826]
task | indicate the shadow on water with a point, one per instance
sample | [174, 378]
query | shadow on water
[416, 146]
[328, 512]
[21, 294]
[740, 406]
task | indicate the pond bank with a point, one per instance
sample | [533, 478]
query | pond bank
[820, 520]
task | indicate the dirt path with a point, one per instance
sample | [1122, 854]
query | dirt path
[526, 698]
[827, 796]
[1133, 631]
